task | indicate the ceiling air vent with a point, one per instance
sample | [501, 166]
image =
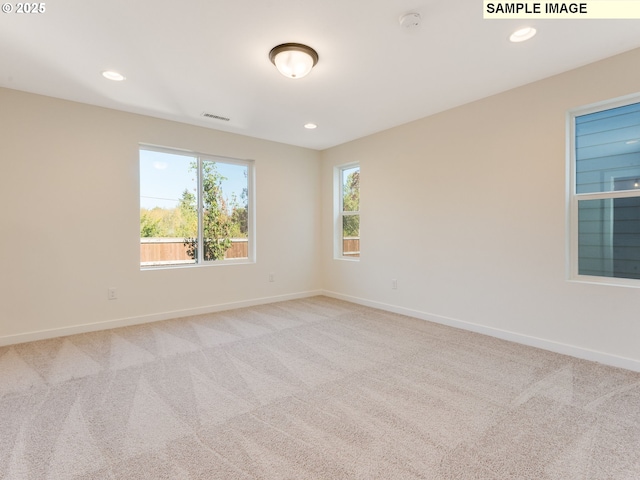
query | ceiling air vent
[215, 117]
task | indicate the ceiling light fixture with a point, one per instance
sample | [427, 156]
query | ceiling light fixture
[310, 126]
[111, 75]
[293, 60]
[522, 34]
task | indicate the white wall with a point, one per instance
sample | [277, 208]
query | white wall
[466, 209]
[70, 220]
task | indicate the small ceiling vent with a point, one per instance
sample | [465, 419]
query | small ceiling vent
[215, 117]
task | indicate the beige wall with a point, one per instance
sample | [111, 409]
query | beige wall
[467, 210]
[70, 194]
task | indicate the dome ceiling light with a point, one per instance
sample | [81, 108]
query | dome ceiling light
[293, 60]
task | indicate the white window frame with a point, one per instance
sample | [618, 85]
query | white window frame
[573, 198]
[339, 214]
[251, 204]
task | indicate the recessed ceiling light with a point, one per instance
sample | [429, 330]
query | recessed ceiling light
[310, 126]
[111, 75]
[522, 34]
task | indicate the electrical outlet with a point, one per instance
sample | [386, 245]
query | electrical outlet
[272, 277]
[112, 294]
[394, 283]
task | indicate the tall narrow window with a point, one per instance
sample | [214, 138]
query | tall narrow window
[194, 209]
[605, 192]
[348, 227]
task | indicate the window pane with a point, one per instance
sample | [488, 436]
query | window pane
[351, 189]
[607, 148]
[225, 210]
[168, 215]
[351, 235]
[609, 237]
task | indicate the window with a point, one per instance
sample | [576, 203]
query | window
[348, 207]
[605, 193]
[194, 209]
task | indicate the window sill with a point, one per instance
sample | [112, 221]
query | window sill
[181, 266]
[606, 281]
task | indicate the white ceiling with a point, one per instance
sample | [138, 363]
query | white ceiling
[185, 58]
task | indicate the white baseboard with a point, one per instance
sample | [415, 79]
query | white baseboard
[156, 317]
[571, 350]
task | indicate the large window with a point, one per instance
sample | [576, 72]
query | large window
[605, 193]
[348, 208]
[194, 209]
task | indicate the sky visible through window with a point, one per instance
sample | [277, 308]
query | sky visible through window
[164, 176]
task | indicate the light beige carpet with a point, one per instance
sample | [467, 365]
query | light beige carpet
[310, 389]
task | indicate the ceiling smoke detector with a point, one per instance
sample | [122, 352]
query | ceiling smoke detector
[410, 20]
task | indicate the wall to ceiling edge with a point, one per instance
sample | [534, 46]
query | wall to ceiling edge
[69, 189]
[467, 210]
